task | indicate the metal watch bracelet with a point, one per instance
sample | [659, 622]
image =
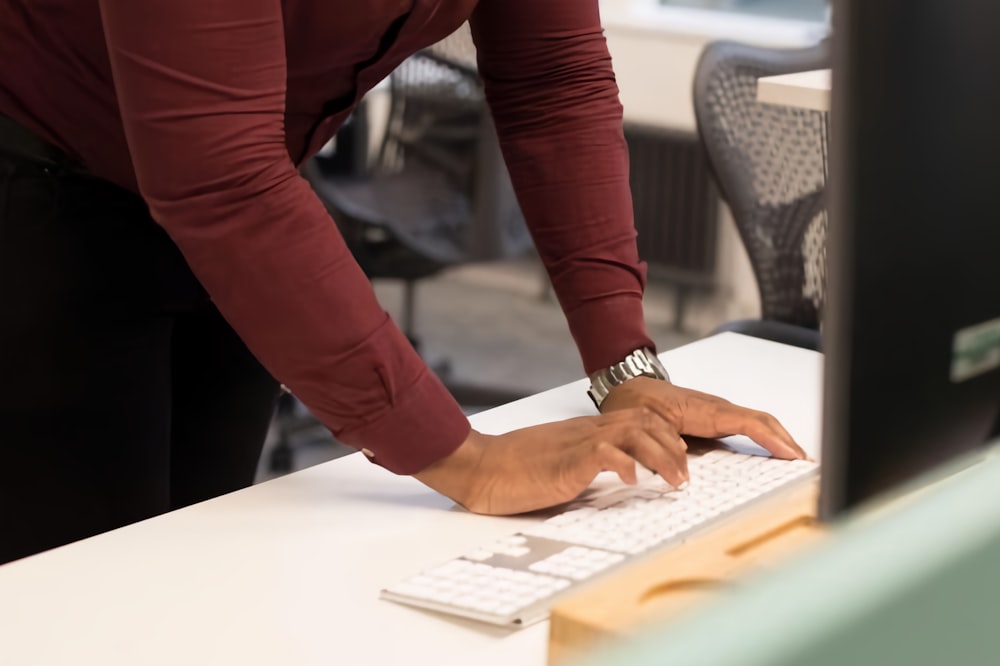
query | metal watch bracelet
[640, 363]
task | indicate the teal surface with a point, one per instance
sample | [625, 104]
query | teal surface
[918, 584]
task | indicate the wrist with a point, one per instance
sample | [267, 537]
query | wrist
[641, 362]
[455, 475]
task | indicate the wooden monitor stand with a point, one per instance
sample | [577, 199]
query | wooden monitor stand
[656, 586]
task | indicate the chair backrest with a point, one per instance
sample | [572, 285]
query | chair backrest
[770, 162]
[433, 120]
[439, 129]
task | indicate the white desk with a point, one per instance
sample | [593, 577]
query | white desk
[288, 572]
[807, 90]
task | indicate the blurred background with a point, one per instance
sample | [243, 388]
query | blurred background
[418, 188]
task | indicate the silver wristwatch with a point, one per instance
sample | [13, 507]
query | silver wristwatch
[640, 363]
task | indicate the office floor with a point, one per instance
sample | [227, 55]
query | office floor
[496, 325]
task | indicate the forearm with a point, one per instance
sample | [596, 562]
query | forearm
[279, 271]
[582, 223]
[552, 90]
[204, 116]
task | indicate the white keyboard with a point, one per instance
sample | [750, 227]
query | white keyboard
[515, 580]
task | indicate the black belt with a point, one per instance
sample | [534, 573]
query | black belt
[21, 143]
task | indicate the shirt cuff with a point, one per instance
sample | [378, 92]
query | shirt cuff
[607, 330]
[424, 426]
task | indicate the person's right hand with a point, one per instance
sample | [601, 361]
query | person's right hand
[545, 465]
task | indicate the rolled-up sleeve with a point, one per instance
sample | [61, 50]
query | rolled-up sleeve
[201, 89]
[552, 91]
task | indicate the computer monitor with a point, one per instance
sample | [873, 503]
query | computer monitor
[912, 326]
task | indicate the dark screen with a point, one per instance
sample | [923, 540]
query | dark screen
[914, 248]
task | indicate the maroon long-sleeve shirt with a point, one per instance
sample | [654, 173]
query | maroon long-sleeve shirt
[207, 107]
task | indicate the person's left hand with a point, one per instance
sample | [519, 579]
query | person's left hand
[703, 415]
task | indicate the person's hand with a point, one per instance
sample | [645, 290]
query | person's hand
[702, 415]
[542, 466]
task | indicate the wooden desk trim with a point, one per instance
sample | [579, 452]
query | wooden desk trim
[669, 582]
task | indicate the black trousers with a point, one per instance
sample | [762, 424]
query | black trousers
[123, 393]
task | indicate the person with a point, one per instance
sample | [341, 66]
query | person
[163, 266]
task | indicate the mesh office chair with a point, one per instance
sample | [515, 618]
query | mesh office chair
[771, 166]
[438, 193]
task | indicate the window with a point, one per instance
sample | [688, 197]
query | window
[802, 10]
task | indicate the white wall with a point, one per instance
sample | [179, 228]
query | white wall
[655, 51]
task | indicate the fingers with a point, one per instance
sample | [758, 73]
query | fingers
[648, 438]
[704, 415]
[762, 428]
[610, 458]
[665, 453]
